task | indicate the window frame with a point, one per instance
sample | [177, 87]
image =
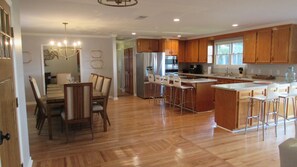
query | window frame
[229, 42]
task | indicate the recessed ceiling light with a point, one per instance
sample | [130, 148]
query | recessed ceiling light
[234, 25]
[178, 36]
[133, 33]
[176, 20]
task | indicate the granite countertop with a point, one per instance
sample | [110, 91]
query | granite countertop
[245, 78]
[246, 86]
[199, 80]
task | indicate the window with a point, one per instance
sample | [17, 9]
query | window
[229, 52]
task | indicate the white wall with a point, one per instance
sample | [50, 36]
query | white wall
[32, 45]
[20, 88]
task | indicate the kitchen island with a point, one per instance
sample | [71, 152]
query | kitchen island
[231, 103]
[204, 94]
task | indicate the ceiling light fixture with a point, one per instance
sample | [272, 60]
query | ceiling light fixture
[176, 20]
[178, 36]
[118, 3]
[234, 25]
[62, 49]
[133, 33]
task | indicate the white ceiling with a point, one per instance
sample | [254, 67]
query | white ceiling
[198, 17]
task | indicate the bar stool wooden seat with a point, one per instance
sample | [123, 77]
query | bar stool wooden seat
[272, 95]
[292, 94]
[178, 86]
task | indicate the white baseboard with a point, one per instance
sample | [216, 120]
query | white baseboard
[30, 163]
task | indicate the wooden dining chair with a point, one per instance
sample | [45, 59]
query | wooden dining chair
[93, 78]
[101, 106]
[78, 105]
[41, 107]
[99, 83]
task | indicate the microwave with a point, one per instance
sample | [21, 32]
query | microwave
[171, 60]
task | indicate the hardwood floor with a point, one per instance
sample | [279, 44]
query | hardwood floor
[149, 135]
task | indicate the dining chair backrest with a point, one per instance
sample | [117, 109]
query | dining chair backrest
[106, 86]
[78, 101]
[63, 78]
[293, 88]
[94, 80]
[35, 88]
[99, 83]
[158, 79]
[151, 78]
[177, 82]
[91, 77]
[272, 91]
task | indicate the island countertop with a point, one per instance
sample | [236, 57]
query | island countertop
[246, 86]
[198, 80]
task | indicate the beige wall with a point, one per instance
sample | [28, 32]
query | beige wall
[32, 45]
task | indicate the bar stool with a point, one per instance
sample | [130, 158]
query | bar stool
[178, 86]
[167, 84]
[159, 94]
[292, 93]
[151, 80]
[272, 95]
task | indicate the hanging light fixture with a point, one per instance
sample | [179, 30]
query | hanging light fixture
[118, 3]
[62, 49]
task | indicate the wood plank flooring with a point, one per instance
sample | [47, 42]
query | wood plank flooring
[148, 135]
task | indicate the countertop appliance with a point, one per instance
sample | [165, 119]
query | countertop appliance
[148, 63]
[196, 69]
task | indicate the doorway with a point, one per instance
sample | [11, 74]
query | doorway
[54, 63]
[128, 66]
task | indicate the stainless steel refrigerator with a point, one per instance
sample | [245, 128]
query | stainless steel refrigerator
[147, 63]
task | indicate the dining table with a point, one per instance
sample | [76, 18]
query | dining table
[55, 95]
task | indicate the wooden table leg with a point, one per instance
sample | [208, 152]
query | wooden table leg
[105, 115]
[49, 120]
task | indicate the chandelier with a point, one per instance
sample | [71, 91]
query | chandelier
[63, 49]
[118, 3]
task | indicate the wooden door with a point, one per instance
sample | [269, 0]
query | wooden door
[128, 64]
[249, 46]
[203, 46]
[263, 51]
[280, 44]
[9, 150]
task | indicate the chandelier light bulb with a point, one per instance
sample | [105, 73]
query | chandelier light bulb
[74, 44]
[59, 44]
[78, 43]
[65, 42]
[52, 43]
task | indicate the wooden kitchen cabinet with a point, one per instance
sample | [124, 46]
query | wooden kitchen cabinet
[192, 51]
[169, 46]
[249, 46]
[181, 51]
[206, 50]
[147, 45]
[263, 47]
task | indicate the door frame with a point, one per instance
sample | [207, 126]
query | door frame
[42, 66]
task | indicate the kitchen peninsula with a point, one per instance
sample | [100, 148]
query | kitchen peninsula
[231, 103]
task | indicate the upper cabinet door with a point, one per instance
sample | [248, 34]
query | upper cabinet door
[203, 50]
[280, 44]
[263, 51]
[181, 51]
[174, 47]
[147, 45]
[249, 47]
[192, 51]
